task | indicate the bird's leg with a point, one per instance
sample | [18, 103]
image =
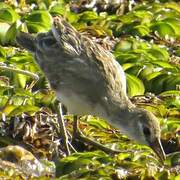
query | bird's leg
[63, 129]
[77, 134]
[76, 131]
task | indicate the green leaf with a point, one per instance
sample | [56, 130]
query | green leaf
[7, 14]
[3, 30]
[159, 53]
[127, 66]
[3, 100]
[77, 161]
[22, 80]
[157, 83]
[57, 9]
[153, 75]
[11, 33]
[18, 110]
[98, 123]
[88, 16]
[135, 85]
[163, 29]
[172, 92]
[38, 21]
[2, 52]
[163, 64]
[172, 5]
[141, 30]
[123, 45]
[172, 81]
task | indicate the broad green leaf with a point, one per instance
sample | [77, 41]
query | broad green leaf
[127, 66]
[3, 30]
[38, 21]
[153, 75]
[163, 64]
[123, 45]
[164, 29]
[3, 100]
[172, 92]
[172, 81]
[88, 16]
[11, 33]
[77, 161]
[135, 85]
[8, 15]
[58, 9]
[126, 57]
[8, 109]
[99, 123]
[160, 54]
[157, 83]
[175, 23]
[172, 5]
[18, 110]
[22, 80]
[141, 30]
[2, 54]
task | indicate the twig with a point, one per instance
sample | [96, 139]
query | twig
[62, 128]
[34, 76]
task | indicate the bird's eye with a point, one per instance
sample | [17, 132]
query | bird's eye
[146, 131]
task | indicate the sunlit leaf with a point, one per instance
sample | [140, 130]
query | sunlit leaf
[135, 85]
[141, 30]
[57, 9]
[172, 92]
[3, 100]
[23, 109]
[163, 64]
[7, 14]
[38, 21]
[123, 45]
[3, 30]
[163, 29]
[88, 16]
[159, 53]
[96, 122]
[11, 33]
[22, 80]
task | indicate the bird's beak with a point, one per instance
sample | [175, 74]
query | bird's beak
[158, 149]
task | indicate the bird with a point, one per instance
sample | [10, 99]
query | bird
[88, 80]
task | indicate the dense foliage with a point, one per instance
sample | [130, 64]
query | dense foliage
[144, 38]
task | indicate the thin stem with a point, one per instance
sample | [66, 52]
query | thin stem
[20, 71]
[63, 128]
[34, 76]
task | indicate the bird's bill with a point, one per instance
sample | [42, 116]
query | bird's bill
[158, 149]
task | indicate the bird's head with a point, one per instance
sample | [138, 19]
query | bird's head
[144, 128]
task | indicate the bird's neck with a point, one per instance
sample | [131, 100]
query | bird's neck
[118, 112]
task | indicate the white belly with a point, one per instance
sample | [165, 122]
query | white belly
[79, 104]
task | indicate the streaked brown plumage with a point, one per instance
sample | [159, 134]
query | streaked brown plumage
[88, 80]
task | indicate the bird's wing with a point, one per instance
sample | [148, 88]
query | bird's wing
[106, 68]
[65, 54]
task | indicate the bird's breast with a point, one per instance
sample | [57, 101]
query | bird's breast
[80, 104]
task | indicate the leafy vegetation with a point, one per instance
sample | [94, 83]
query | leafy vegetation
[144, 38]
